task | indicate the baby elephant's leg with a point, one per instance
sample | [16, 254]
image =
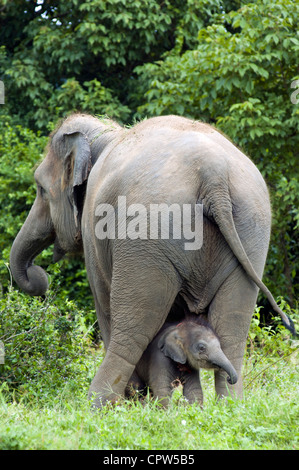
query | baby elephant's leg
[135, 385]
[192, 388]
[162, 375]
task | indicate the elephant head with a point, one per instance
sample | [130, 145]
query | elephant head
[55, 216]
[197, 345]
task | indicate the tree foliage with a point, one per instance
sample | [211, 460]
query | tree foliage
[239, 77]
[230, 63]
[73, 54]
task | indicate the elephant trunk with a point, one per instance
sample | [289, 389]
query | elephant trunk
[36, 234]
[223, 363]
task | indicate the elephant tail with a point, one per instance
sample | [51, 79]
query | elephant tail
[222, 215]
[231, 236]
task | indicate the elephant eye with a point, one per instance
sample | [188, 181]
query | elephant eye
[200, 348]
[41, 190]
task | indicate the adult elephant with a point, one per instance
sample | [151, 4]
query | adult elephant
[137, 282]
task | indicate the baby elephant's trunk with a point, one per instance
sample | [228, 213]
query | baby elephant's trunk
[223, 363]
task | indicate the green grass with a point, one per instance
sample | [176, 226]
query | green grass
[266, 418]
[50, 360]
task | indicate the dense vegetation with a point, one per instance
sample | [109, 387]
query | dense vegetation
[209, 60]
[231, 63]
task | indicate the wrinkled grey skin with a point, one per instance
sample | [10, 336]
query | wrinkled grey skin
[162, 160]
[178, 352]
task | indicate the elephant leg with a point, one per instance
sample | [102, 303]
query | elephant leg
[102, 307]
[162, 388]
[192, 387]
[230, 315]
[163, 374]
[100, 290]
[163, 395]
[141, 297]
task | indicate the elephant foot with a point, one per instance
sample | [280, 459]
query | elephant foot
[109, 383]
[163, 402]
[98, 401]
[192, 398]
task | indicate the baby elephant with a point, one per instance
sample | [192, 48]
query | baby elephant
[178, 352]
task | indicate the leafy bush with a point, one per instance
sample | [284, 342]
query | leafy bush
[46, 345]
[271, 351]
[271, 339]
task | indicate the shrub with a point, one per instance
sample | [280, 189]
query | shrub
[271, 339]
[47, 346]
[271, 350]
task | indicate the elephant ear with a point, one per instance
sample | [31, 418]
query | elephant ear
[171, 346]
[77, 166]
